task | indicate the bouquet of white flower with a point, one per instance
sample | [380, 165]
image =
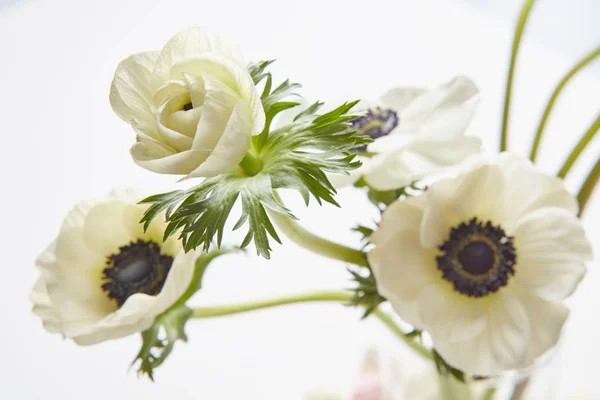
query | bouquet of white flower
[475, 253]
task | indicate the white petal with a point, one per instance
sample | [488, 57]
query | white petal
[527, 189]
[547, 320]
[398, 98]
[130, 92]
[442, 153]
[395, 169]
[232, 75]
[502, 345]
[218, 105]
[402, 267]
[400, 216]
[177, 282]
[442, 112]
[104, 230]
[232, 146]
[43, 307]
[407, 310]
[449, 315]
[155, 158]
[72, 249]
[437, 218]
[193, 42]
[551, 251]
[180, 141]
[76, 217]
[169, 90]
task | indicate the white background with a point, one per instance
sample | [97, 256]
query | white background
[61, 143]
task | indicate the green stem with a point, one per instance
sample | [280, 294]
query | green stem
[511, 71]
[251, 164]
[389, 322]
[229, 309]
[579, 147]
[588, 187]
[563, 82]
[489, 394]
[316, 244]
[335, 296]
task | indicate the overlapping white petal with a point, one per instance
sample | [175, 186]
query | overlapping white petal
[181, 100]
[428, 139]
[508, 328]
[68, 295]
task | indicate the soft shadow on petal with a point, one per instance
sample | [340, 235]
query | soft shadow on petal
[154, 157]
[502, 345]
[547, 320]
[177, 282]
[232, 146]
[398, 98]
[449, 315]
[551, 251]
[130, 92]
[234, 76]
[104, 231]
[43, 307]
[527, 189]
[400, 216]
[437, 216]
[402, 267]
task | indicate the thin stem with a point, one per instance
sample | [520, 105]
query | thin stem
[229, 309]
[389, 322]
[563, 82]
[511, 71]
[579, 147]
[335, 296]
[317, 244]
[588, 187]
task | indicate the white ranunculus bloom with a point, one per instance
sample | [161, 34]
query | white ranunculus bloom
[193, 105]
[103, 277]
[416, 132]
[483, 261]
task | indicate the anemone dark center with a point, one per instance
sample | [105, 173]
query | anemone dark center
[137, 268]
[478, 258]
[187, 106]
[377, 122]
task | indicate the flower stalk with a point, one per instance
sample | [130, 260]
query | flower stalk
[588, 187]
[561, 85]
[318, 296]
[511, 71]
[251, 164]
[316, 244]
[580, 147]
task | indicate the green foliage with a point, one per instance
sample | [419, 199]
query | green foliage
[382, 199]
[295, 156]
[169, 327]
[366, 233]
[446, 369]
[365, 292]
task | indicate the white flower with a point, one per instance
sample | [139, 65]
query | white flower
[193, 105]
[416, 133]
[483, 261]
[103, 277]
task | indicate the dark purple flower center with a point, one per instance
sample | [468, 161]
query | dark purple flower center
[477, 258]
[375, 123]
[137, 268]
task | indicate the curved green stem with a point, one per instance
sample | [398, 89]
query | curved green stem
[579, 147]
[389, 322]
[335, 296]
[588, 187]
[316, 244]
[511, 71]
[563, 82]
[229, 309]
[489, 394]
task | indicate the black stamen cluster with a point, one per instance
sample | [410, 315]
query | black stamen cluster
[497, 273]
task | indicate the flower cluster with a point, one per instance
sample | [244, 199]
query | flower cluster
[476, 253]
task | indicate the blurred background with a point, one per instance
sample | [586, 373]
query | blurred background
[62, 143]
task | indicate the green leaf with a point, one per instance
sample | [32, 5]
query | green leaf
[365, 291]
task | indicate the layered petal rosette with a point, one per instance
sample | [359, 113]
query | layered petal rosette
[483, 261]
[193, 105]
[416, 133]
[104, 277]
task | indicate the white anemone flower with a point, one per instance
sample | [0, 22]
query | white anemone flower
[193, 105]
[483, 261]
[104, 277]
[417, 133]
